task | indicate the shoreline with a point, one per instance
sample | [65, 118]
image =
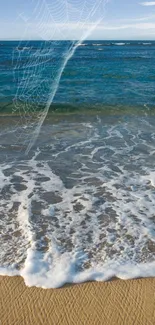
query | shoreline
[118, 302]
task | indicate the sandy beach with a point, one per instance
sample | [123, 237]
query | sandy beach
[116, 302]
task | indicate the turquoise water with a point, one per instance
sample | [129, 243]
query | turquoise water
[100, 73]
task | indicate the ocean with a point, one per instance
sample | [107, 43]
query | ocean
[79, 205]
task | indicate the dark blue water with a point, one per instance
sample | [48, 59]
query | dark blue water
[99, 73]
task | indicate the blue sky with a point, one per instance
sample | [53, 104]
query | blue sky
[70, 19]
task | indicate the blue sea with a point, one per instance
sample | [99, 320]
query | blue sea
[100, 73]
[77, 160]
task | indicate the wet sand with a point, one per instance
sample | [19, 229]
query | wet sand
[116, 302]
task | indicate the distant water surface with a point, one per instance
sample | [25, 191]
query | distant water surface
[100, 72]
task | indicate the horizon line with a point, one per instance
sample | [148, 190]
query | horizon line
[87, 40]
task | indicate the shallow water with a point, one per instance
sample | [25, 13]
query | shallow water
[81, 205]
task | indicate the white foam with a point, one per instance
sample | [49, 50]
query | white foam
[82, 44]
[48, 272]
[120, 44]
[95, 44]
[86, 209]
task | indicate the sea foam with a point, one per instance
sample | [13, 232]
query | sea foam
[81, 207]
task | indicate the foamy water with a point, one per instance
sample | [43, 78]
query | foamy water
[82, 205]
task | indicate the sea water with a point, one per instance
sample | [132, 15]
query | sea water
[81, 205]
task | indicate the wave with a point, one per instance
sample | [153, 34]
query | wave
[95, 44]
[125, 44]
[23, 48]
[119, 44]
[82, 205]
[83, 44]
[7, 107]
[40, 274]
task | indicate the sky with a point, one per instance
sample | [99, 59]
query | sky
[77, 19]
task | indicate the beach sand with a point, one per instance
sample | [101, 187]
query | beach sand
[116, 302]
